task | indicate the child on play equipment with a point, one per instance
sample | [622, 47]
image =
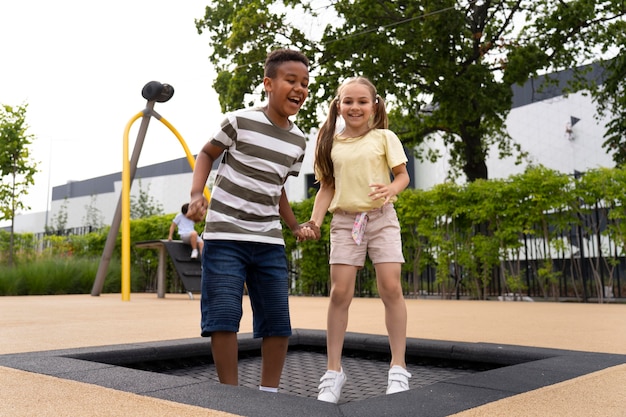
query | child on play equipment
[243, 240]
[186, 231]
[353, 165]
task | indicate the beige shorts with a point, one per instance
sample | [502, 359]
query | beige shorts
[381, 241]
[186, 238]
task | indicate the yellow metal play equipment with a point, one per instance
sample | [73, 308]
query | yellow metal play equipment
[153, 92]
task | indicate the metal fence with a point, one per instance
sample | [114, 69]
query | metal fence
[585, 264]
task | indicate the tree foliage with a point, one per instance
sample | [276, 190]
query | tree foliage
[17, 169]
[445, 67]
[241, 33]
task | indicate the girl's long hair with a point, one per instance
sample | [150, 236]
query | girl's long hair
[323, 162]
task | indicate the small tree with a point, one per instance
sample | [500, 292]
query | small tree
[17, 169]
[93, 216]
[59, 220]
[144, 205]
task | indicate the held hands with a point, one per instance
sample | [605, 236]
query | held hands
[197, 209]
[307, 231]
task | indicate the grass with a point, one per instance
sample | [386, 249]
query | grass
[53, 276]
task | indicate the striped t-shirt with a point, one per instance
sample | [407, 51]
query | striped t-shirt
[258, 157]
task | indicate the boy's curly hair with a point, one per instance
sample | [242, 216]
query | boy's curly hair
[279, 56]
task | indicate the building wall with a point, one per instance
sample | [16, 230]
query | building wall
[559, 131]
[545, 131]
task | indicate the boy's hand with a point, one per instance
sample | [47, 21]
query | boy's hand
[309, 230]
[197, 209]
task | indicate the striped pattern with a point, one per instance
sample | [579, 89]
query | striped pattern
[258, 159]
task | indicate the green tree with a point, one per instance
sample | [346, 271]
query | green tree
[17, 169]
[611, 99]
[547, 211]
[241, 33]
[445, 67]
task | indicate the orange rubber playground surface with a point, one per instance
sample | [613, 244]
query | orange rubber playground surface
[33, 324]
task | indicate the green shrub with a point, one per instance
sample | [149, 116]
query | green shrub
[69, 264]
[60, 275]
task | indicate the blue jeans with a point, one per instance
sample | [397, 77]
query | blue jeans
[226, 266]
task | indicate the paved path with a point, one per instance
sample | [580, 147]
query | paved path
[38, 323]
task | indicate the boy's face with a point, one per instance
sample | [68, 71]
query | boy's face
[288, 90]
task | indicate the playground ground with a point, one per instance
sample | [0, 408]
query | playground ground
[45, 323]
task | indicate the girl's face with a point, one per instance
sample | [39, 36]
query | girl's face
[356, 106]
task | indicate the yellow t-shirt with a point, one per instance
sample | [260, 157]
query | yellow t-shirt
[361, 161]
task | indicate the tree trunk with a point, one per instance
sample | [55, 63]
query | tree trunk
[475, 166]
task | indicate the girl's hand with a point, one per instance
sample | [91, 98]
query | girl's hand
[307, 231]
[381, 191]
[311, 230]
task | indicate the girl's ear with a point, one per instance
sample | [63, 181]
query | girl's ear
[267, 84]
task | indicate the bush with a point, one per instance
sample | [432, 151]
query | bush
[69, 264]
[60, 275]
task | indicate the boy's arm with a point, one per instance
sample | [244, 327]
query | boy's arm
[301, 231]
[284, 208]
[202, 168]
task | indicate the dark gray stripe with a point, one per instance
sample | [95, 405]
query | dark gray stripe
[272, 131]
[219, 207]
[270, 155]
[250, 172]
[222, 227]
[254, 196]
[229, 130]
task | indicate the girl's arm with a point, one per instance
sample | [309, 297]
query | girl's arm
[322, 202]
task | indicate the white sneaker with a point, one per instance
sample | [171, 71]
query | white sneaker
[398, 380]
[194, 254]
[330, 387]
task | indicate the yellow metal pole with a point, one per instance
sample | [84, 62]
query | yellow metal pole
[125, 215]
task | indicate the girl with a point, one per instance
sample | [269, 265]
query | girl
[353, 168]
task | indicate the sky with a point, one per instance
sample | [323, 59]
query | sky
[80, 67]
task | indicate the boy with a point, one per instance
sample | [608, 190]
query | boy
[186, 231]
[243, 235]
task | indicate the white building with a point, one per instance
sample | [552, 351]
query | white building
[558, 131]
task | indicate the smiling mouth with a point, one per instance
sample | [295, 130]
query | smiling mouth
[295, 100]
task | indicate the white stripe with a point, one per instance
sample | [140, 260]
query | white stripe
[245, 238]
